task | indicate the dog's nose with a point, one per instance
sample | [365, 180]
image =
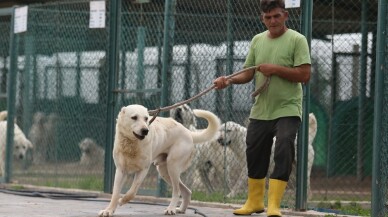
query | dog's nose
[144, 132]
[21, 156]
[221, 141]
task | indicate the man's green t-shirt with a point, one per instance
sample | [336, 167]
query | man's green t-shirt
[282, 98]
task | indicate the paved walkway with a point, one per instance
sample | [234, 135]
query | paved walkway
[65, 205]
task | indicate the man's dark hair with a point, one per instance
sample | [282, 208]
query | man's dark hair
[268, 5]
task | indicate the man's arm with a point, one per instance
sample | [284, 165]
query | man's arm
[295, 74]
[221, 82]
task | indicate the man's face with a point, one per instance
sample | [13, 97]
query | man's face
[275, 21]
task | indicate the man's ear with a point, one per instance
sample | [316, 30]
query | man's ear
[286, 14]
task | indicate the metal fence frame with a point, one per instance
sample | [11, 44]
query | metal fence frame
[379, 131]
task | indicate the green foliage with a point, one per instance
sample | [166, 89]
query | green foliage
[213, 197]
[352, 208]
[86, 183]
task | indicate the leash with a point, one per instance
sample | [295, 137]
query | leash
[254, 94]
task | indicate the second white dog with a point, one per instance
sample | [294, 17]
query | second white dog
[20, 143]
[234, 137]
[92, 155]
[165, 142]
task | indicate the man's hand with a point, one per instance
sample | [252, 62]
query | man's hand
[221, 82]
[295, 74]
[267, 69]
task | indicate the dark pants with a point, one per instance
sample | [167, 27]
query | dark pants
[259, 141]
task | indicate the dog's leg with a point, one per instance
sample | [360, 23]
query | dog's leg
[240, 184]
[117, 186]
[311, 155]
[186, 193]
[206, 171]
[137, 180]
[186, 197]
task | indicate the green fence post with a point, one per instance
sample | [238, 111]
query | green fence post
[11, 95]
[378, 197]
[229, 59]
[28, 69]
[302, 150]
[114, 37]
[168, 36]
[362, 92]
[141, 34]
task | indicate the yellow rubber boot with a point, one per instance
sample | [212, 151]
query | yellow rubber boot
[275, 194]
[255, 201]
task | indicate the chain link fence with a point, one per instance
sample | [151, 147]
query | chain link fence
[342, 90]
[63, 73]
[380, 172]
[60, 97]
[5, 22]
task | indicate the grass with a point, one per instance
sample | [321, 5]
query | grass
[352, 208]
[87, 182]
[217, 197]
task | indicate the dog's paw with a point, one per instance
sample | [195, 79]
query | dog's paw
[178, 210]
[231, 195]
[105, 213]
[121, 202]
[169, 211]
[126, 198]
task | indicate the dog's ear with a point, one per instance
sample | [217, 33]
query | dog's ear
[29, 144]
[123, 110]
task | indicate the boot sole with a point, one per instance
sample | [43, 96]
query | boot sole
[260, 211]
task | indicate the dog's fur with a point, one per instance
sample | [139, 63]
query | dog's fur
[36, 136]
[209, 166]
[20, 143]
[42, 135]
[3, 115]
[234, 138]
[91, 153]
[184, 115]
[211, 159]
[165, 142]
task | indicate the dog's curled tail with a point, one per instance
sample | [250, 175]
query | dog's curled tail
[3, 115]
[313, 125]
[212, 129]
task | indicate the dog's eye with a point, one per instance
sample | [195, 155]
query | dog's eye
[134, 118]
[146, 119]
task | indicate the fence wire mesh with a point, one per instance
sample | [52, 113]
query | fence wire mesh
[61, 96]
[5, 22]
[342, 89]
[63, 74]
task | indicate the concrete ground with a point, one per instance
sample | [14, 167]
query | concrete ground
[61, 203]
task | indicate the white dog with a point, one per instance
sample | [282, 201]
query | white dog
[234, 137]
[184, 115]
[165, 142]
[42, 135]
[36, 136]
[20, 143]
[91, 153]
[211, 159]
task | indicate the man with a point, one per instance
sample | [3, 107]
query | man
[283, 55]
